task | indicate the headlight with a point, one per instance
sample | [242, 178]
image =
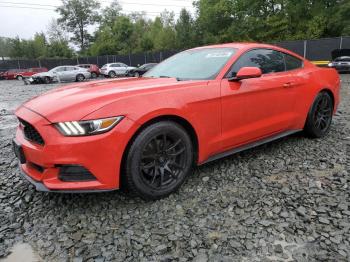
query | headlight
[330, 64]
[89, 127]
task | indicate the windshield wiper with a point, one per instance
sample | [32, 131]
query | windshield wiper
[177, 78]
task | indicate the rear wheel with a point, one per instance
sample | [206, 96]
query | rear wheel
[93, 75]
[19, 77]
[319, 118]
[80, 78]
[158, 161]
[137, 74]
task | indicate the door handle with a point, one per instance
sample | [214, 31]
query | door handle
[288, 84]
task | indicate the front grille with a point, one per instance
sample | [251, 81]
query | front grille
[30, 133]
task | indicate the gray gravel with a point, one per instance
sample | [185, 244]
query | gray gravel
[288, 200]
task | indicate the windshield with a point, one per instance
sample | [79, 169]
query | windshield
[198, 64]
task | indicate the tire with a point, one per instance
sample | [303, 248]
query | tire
[112, 74]
[153, 169]
[93, 75]
[80, 78]
[19, 77]
[319, 118]
[47, 80]
[136, 74]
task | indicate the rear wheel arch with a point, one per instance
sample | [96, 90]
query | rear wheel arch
[318, 114]
[188, 127]
[330, 92]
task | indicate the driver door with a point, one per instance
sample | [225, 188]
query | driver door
[256, 108]
[59, 73]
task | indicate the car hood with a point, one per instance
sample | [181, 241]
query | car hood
[42, 74]
[75, 101]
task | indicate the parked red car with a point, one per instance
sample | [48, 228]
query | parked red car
[29, 72]
[93, 69]
[11, 74]
[2, 75]
[146, 133]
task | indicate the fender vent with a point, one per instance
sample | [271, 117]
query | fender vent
[30, 133]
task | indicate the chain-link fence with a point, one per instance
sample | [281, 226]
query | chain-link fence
[319, 49]
[314, 50]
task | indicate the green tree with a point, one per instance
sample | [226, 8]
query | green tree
[17, 49]
[110, 13]
[5, 47]
[184, 29]
[76, 16]
[58, 41]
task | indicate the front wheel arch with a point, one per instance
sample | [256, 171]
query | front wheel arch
[177, 119]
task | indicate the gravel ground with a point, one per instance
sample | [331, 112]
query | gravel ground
[288, 200]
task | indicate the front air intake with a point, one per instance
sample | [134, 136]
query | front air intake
[74, 173]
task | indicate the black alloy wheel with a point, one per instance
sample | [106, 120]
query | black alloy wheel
[319, 118]
[159, 160]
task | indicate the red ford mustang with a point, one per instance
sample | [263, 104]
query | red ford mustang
[145, 134]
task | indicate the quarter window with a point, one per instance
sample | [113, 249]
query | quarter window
[292, 62]
[269, 61]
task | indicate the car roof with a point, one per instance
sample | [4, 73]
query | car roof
[116, 63]
[249, 45]
[238, 45]
[343, 57]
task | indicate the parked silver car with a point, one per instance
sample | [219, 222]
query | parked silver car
[60, 74]
[341, 64]
[116, 69]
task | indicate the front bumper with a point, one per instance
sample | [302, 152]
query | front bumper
[100, 154]
[39, 186]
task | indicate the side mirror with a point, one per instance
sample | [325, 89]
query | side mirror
[246, 73]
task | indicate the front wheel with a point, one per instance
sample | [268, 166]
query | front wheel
[93, 75]
[158, 161]
[19, 77]
[47, 80]
[112, 74]
[319, 118]
[80, 78]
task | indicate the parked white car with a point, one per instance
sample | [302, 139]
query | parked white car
[115, 69]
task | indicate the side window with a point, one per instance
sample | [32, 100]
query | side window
[115, 65]
[269, 61]
[60, 69]
[293, 62]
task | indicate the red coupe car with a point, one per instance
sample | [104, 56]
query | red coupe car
[145, 134]
[11, 74]
[29, 72]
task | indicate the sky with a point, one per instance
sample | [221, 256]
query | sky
[24, 18]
